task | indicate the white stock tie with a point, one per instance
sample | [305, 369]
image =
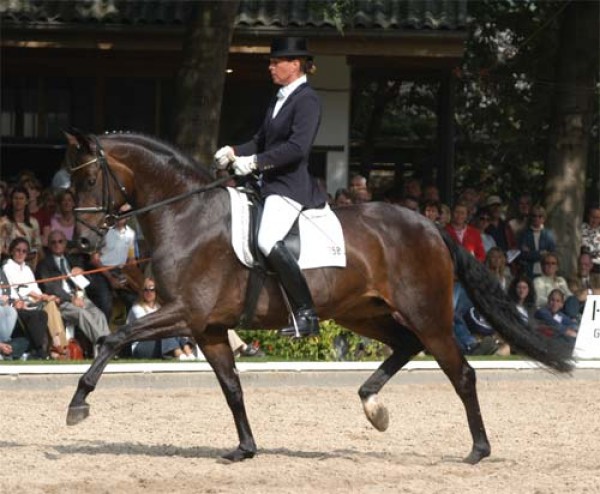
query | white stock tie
[279, 103]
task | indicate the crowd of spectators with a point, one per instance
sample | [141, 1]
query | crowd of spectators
[37, 226]
[514, 243]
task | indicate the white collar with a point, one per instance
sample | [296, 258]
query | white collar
[285, 91]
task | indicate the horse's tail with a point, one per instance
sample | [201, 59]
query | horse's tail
[501, 313]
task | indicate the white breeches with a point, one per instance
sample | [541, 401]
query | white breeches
[279, 215]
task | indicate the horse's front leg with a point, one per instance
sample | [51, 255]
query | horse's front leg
[215, 346]
[161, 324]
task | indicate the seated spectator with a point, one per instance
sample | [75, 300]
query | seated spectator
[431, 192]
[179, 347]
[412, 188]
[584, 283]
[11, 347]
[125, 279]
[553, 317]
[64, 217]
[535, 242]
[590, 237]
[471, 199]
[432, 210]
[409, 202]
[36, 209]
[481, 221]
[18, 223]
[498, 228]
[176, 347]
[342, 197]
[522, 292]
[24, 296]
[467, 341]
[445, 215]
[549, 280]
[75, 307]
[495, 260]
[463, 234]
[26, 289]
[359, 189]
[520, 219]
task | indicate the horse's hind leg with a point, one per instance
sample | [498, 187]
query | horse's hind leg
[461, 374]
[215, 347]
[405, 345]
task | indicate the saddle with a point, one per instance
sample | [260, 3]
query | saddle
[315, 240]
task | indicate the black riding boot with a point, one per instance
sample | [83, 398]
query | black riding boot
[293, 282]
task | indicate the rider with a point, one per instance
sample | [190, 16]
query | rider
[279, 152]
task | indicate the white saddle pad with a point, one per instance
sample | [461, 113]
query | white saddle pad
[321, 237]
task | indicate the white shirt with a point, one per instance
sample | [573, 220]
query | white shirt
[65, 285]
[284, 93]
[117, 246]
[18, 274]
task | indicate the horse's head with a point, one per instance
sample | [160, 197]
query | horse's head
[102, 185]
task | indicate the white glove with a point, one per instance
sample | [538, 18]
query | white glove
[223, 157]
[244, 165]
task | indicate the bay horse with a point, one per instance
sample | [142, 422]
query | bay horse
[397, 286]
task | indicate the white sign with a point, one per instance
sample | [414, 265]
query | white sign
[587, 344]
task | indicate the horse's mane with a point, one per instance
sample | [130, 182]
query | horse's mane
[164, 153]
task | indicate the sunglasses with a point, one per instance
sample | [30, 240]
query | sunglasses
[484, 218]
[149, 289]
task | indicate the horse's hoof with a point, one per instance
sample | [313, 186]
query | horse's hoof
[477, 454]
[376, 413]
[237, 455]
[77, 414]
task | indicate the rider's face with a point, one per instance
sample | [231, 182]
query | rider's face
[284, 71]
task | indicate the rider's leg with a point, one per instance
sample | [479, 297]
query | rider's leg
[279, 215]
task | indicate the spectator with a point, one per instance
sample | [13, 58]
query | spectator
[470, 198]
[481, 222]
[431, 193]
[359, 189]
[584, 283]
[76, 308]
[552, 316]
[64, 218]
[519, 222]
[498, 228]
[19, 223]
[409, 202]
[535, 242]
[24, 295]
[26, 288]
[463, 234]
[549, 280]
[8, 323]
[432, 210]
[495, 260]
[125, 279]
[36, 210]
[3, 198]
[467, 341]
[445, 215]
[522, 292]
[590, 237]
[342, 197]
[178, 347]
[412, 188]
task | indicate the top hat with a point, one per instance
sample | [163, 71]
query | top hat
[290, 47]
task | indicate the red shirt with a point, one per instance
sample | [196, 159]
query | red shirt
[471, 241]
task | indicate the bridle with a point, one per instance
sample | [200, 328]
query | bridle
[109, 177]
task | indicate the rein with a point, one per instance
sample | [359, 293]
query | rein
[107, 200]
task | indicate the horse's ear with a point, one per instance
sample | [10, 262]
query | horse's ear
[77, 138]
